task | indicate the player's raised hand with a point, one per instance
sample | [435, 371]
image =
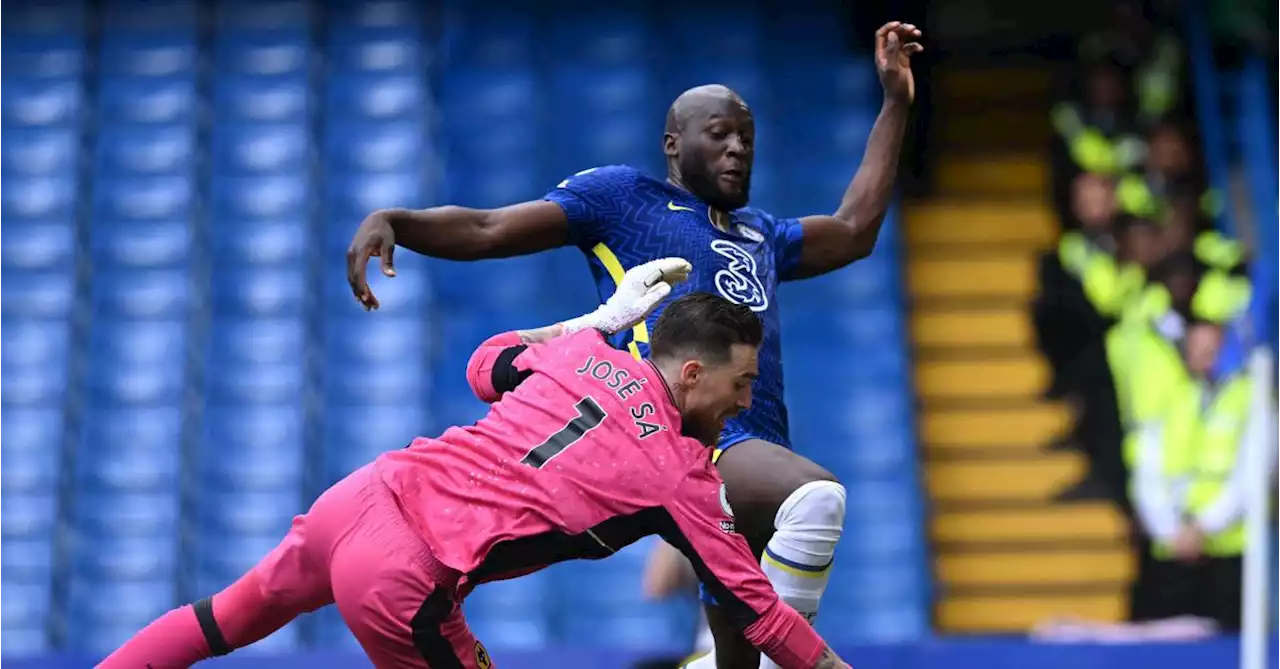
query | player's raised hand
[896, 43]
[642, 288]
[374, 237]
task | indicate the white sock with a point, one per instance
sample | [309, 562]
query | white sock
[797, 559]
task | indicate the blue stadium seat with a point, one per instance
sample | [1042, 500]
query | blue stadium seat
[147, 149]
[32, 448]
[27, 559]
[356, 434]
[405, 381]
[27, 386]
[264, 52]
[256, 447]
[356, 195]
[263, 197]
[498, 185]
[36, 199]
[481, 98]
[502, 38]
[42, 56]
[127, 514]
[803, 83]
[37, 294]
[234, 340]
[273, 292]
[157, 54]
[26, 639]
[249, 148]
[237, 16]
[375, 341]
[28, 470]
[357, 95]
[37, 102]
[134, 450]
[40, 151]
[112, 382]
[142, 294]
[516, 142]
[144, 198]
[109, 611]
[376, 13]
[141, 245]
[41, 246]
[618, 35]
[32, 513]
[525, 596]
[259, 518]
[874, 326]
[495, 285]
[330, 632]
[594, 92]
[262, 98]
[22, 602]
[806, 22]
[278, 241]
[29, 342]
[607, 139]
[837, 135]
[875, 585]
[137, 99]
[360, 146]
[257, 383]
[226, 556]
[142, 17]
[124, 558]
[514, 632]
[135, 468]
[737, 37]
[399, 49]
[888, 451]
[111, 430]
[893, 624]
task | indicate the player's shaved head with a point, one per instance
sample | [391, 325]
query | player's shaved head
[709, 141]
[700, 100]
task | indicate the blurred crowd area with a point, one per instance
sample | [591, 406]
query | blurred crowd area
[1141, 310]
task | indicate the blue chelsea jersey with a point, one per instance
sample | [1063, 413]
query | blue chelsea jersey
[620, 217]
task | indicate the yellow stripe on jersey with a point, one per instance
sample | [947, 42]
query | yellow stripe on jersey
[715, 455]
[640, 333]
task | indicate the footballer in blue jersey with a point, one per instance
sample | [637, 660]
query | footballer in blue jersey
[618, 216]
[789, 509]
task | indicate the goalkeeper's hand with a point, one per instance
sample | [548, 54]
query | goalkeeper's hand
[641, 290]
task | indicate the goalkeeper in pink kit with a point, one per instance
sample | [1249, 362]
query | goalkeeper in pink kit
[585, 450]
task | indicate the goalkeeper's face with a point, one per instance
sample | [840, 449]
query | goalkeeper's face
[715, 390]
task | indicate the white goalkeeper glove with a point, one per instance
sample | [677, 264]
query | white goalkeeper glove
[642, 288]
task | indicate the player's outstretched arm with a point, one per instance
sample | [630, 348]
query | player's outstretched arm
[493, 371]
[699, 523]
[454, 233]
[831, 242]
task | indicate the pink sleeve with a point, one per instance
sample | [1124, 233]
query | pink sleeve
[480, 367]
[703, 529]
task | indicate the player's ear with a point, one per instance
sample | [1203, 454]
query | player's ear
[690, 372]
[670, 144]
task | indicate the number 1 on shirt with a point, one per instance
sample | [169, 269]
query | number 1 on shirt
[590, 415]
